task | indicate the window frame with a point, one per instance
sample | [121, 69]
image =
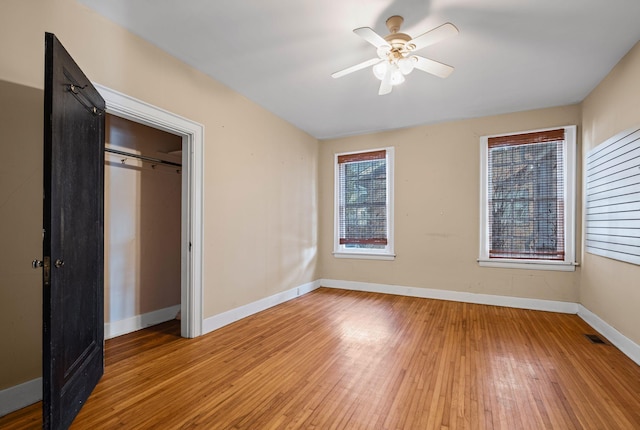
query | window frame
[341, 251]
[569, 179]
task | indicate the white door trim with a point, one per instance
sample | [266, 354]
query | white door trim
[192, 133]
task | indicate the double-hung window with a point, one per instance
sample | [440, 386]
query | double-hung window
[364, 204]
[527, 200]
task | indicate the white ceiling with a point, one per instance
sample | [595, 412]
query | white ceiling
[510, 55]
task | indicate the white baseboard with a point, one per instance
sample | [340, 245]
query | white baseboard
[455, 296]
[217, 321]
[20, 396]
[623, 343]
[220, 320]
[138, 322]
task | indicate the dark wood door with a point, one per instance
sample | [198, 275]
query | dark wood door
[73, 272]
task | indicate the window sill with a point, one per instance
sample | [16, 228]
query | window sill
[364, 256]
[529, 264]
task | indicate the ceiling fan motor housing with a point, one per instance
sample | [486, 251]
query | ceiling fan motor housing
[396, 40]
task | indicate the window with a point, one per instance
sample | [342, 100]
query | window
[527, 200]
[364, 204]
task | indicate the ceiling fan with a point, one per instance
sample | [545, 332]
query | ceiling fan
[395, 53]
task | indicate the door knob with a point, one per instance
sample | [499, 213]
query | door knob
[59, 263]
[37, 264]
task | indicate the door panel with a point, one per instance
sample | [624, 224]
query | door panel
[73, 305]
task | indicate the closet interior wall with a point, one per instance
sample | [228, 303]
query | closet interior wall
[142, 222]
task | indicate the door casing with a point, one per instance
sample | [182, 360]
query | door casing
[192, 134]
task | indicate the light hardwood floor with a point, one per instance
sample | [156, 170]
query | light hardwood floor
[336, 359]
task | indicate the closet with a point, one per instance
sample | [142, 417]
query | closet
[142, 226]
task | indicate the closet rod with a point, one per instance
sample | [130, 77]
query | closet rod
[142, 157]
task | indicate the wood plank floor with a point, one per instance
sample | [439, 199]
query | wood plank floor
[336, 359]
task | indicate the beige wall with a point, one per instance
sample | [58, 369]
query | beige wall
[260, 175]
[437, 210]
[142, 222]
[610, 288]
[20, 233]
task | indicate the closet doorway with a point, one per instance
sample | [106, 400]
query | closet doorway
[142, 226]
[122, 107]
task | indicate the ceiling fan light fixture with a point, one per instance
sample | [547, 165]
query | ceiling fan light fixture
[406, 64]
[396, 76]
[383, 51]
[380, 69]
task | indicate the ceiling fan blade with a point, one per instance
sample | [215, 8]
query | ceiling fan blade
[355, 68]
[371, 36]
[434, 67]
[385, 85]
[432, 36]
